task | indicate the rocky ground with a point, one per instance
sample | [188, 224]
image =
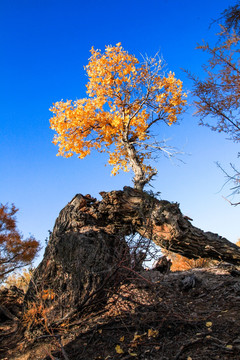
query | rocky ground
[186, 315]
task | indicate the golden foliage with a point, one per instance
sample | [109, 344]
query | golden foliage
[37, 312]
[125, 98]
[35, 315]
[20, 280]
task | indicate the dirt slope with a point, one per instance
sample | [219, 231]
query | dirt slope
[184, 315]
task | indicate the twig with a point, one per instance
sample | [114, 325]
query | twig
[135, 272]
[62, 348]
[221, 344]
[233, 204]
[184, 346]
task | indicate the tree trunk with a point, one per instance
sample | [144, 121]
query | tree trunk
[163, 223]
[88, 245]
[81, 255]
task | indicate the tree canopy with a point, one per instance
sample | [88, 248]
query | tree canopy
[15, 252]
[125, 99]
[231, 17]
[219, 93]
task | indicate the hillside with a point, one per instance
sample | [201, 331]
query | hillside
[183, 315]
[90, 297]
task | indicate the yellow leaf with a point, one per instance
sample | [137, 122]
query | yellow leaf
[152, 333]
[229, 346]
[100, 331]
[132, 354]
[136, 336]
[119, 350]
[122, 338]
[209, 324]
[189, 358]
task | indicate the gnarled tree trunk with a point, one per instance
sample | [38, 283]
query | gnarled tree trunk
[88, 244]
[163, 222]
[81, 256]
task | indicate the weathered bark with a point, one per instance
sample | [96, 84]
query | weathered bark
[80, 257]
[164, 223]
[88, 243]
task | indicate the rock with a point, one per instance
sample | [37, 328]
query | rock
[188, 282]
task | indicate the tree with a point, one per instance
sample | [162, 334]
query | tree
[87, 254]
[218, 95]
[231, 17]
[15, 252]
[126, 100]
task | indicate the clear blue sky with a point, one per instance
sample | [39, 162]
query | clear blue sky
[44, 46]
